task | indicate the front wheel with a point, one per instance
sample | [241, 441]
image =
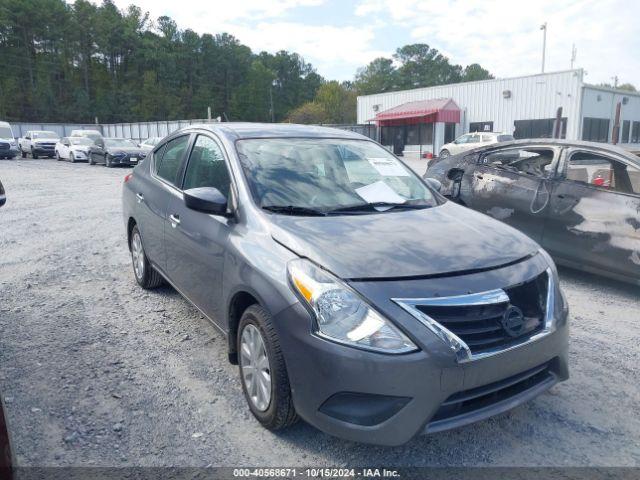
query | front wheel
[34, 155]
[263, 374]
[91, 162]
[72, 158]
[145, 274]
[58, 156]
[23, 154]
[445, 153]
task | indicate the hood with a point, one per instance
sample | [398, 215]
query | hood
[439, 240]
[79, 148]
[46, 140]
[116, 150]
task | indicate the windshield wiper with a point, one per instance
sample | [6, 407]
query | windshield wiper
[371, 207]
[294, 210]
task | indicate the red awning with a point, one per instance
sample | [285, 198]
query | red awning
[422, 111]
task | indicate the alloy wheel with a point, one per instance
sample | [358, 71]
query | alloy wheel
[256, 371]
[137, 256]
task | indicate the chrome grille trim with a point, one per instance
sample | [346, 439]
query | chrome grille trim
[456, 344]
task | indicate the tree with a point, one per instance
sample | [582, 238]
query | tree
[308, 113]
[377, 77]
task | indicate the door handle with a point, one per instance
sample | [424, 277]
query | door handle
[140, 197]
[175, 220]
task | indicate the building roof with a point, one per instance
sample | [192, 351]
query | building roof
[441, 109]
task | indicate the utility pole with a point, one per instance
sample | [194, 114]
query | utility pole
[543, 27]
[615, 81]
[574, 52]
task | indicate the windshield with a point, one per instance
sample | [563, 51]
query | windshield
[6, 132]
[80, 141]
[323, 175]
[119, 142]
[44, 135]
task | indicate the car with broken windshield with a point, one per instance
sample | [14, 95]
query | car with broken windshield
[350, 293]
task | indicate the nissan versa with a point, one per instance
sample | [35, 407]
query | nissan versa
[352, 294]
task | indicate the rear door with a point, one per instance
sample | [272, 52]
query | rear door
[196, 242]
[594, 215]
[512, 185]
[153, 192]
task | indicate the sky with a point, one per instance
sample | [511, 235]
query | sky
[340, 36]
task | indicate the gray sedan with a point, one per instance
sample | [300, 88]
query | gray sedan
[579, 200]
[351, 293]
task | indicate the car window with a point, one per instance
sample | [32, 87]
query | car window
[461, 140]
[474, 139]
[207, 167]
[603, 172]
[486, 138]
[530, 161]
[168, 165]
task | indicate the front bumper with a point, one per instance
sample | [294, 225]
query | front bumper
[125, 160]
[388, 399]
[41, 150]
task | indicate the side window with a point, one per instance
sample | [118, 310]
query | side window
[462, 140]
[604, 172]
[474, 139]
[207, 167]
[529, 161]
[168, 164]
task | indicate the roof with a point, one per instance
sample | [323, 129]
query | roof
[605, 147]
[435, 110]
[239, 130]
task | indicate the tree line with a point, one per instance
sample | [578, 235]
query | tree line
[74, 62]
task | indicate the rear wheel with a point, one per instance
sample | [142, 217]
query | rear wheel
[145, 274]
[107, 162]
[265, 382]
[72, 158]
[444, 153]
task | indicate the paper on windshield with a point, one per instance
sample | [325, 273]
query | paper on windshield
[388, 167]
[379, 192]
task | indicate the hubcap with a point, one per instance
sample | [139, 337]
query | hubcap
[256, 372]
[137, 255]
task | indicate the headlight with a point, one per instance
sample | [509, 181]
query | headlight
[341, 315]
[13, 143]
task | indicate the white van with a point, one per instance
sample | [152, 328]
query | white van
[8, 145]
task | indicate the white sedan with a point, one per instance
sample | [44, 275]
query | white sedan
[74, 149]
[469, 141]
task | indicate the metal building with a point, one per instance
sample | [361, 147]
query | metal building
[412, 122]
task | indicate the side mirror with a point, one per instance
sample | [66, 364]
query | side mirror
[433, 183]
[207, 200]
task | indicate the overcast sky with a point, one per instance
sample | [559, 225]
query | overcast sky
[338, 36]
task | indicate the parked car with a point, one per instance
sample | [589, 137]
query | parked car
[8, 144]
[38, 143]
[580, 200]
[351, 293]
[92, 134]
[469, 141]
[73, 149]
[114, 152]
[6, 457]
[149, 143]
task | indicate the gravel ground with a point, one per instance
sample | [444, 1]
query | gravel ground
[96, 371]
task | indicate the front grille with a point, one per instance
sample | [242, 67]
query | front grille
[472, 401]
[4, 146]
[45, 145]
[485, 327]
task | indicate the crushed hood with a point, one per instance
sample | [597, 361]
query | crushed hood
[444, 239]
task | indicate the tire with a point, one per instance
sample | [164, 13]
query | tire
[23, 153]
[280, 412]
[107, 162]
[58, 156]
[91, 162]
[72, 159]
[444, 153]
[34, 155]
[146, 276]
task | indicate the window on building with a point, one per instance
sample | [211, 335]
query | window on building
[595, 129]
[635, 132]
[481, 127]
[538, 128]
[449, 132]
[626, 127]
[603, 172]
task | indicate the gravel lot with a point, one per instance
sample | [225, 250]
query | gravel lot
[96, 371]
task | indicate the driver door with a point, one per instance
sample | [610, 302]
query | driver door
[512, 185]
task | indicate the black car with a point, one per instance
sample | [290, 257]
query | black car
[114, 152]
[579, 200]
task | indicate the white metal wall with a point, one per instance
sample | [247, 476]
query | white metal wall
[601, 103]
[532, 97]
[143, 130]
